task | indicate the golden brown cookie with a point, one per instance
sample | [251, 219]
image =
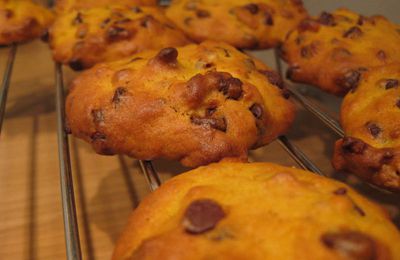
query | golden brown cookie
[370, 117]
[257, 211]
[241, 23]
[22, 21]
[68, 5]
[83, 38]
[196, 104]
[333, 50]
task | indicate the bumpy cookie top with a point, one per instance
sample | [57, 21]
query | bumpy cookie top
[22, 20]
[257, 211]
[197, 104]
[67, 5]
[83, 38]
[370, 117]
[333, 50]
[242, 23]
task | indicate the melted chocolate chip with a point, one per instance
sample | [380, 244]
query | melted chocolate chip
[353, 33]
[78, 19]
[361, 20]
[136, 9]
[391, 83]
[145, 22]
[202, 215]
[381, 55]
[202, 13]
[210, 111]
[351, 244]
[387, 157]
[76, 64]
[45, 36]
[98, 116]
[216, 123]
[97, 136]
[352, 145]
[398, 103]
[115, 33]
[327, 19]
[350, 80]
[340, 191]
[257, 110]
[118, 94]
[309, 51]
[252, 8]
[359, 210]
[168, 56]
[231, 87]
[8, 13]
[290, 71]
[273, 77]
[308, 25]
[373, 128]
[268, 18]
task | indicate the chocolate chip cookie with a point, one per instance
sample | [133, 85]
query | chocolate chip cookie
[85, 37]
[370, 117]
[196, 104]
[241, 23]
[22, 21]
[257, 211]
[332, 51]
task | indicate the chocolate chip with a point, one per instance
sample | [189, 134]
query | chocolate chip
[351, 244]
[136, 9]
[202, 215]
[117, 33]
[350, 80]
[273, 77]
[98, 136]
[216, 123]
[327, 19]
[398, 103]
[352, 145]
[231, 87]
[145, 22]
[340, 54]
[361, 20]
[308, 25]
[105, 22]
[268, 18]
[76, 64]
[353, 33]
[8, 13]
[387, 157]
[381, 55]
[256, 110]
[358, 209]
[210, 111]
[168, 56]
[309, 51]
[78, 19]
[252, 8]
[98, 116]
[119, 92]
[202, 13]
[391, 83]
[187, 20]
[286, 93]
[340, 191]
[373, 128]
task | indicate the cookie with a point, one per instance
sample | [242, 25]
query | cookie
[85, 37]
[256, 211]
[370, 117]
[241, 23]
[196, 104]
[68, 5]
[22, 21]
[333, 50]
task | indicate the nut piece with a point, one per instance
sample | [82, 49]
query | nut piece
[202, 215]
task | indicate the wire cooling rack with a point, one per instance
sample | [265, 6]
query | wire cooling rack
[73, 247]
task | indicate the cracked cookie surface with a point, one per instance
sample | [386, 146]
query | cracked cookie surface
[370, 117]
[85, 37]
[22, 21]
[221, 211]
[333, 50]
[241, 23]
[196, 104]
